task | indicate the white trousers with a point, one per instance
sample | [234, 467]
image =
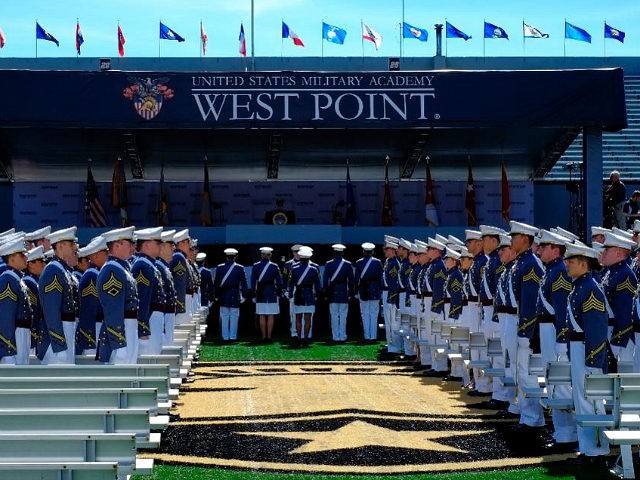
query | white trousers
[424, 331]
[390, 311]
[636, 354]
[624, 354]
[530, 409]
[339, 312]
[23, 345]
[127, 355]
[484, 384]
[591, 440]
[369, 311]
[474, 314]
[169, 327]
[188, 304]
[8, 360]
[182, 319]
[229, 320]
[64, 357]
[292, 319]
[153, 344]
[509, 341]
[564, 421]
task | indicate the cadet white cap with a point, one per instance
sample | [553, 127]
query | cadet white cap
[181, 235]
[404, 244]
[574, 250]
[49, 254]
[505, 240]
[68, 234]
[565, 233]
[599, 231]
[548, 237]
[613, 240]
[451, 254]
[433, 243]
[490, 230]
[368, 246]
[522, 228]
[7, 232]
[96, 245]
[167, 236]
[421, 247]
[126, 233]
[598, 247]
[14, 246]
[465, 253]
[149, 234]
[201, 256]
[296, 247]
[472, 235]
[36, 253]
[636, 226]
[621, 233]
[266, 249]
[11, 237]
[455, 240]
[338, 247]
[390, 243]
[36, 235]
[230, 251]
[441, 239]
[305, 252]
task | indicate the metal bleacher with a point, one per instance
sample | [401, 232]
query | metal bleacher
[621, 150]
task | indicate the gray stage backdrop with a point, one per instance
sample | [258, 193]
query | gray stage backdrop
[37, 204]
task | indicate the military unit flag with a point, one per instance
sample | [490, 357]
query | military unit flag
[409, 31]
[430, 212]
[42, 34]
[494, 31]
[168, 34]
[205, 208]
[203, 39]
[506, 197]
[119, 197]
[387, 206]
[453, 32]
[3, 39]
[576, 33]
[610, 32]
[94, 212]
[163, 201]
[350, 217]
[532, 32]
[121, 42]
[333, 34]
[370, 34]
[470, 200]
[242, 48]
[79, 37]
[288, 33]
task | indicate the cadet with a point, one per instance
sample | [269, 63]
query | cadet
[303, 287]
[118, 342]
[81, 267]
[391, 289]
[337, 284]
[206, 281]
[415, 304]
[368, 286]
[266, 284]
[15, 307]
[230, 290]
[151, 295]
[286, 275]
[58, 296]
[423, 297]
[588, 320]
[554, 331]
[35, 265]
[619, 285]
[397, 339]
[436, 279]
[90, 309]
[167, 248]
[193, 285]
[180, 271]
[526, 274]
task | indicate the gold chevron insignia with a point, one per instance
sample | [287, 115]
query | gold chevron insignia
[8, 293]
[593, 303]
[561, 283]
[500, 269]
[179, 269]
[33, 298]
[440, 274]
[90, 290]
[55, 285]
[626, 285]
[142, 279]
[113, 286]
[532, 275]
[456, 286]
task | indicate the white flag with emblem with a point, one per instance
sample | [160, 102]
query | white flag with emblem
[533, 32]
[370, 34]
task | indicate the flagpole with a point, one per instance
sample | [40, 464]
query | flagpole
[322, 41]
[604, 43]
[564, 47]
[36, 38]
[281, 39]
[401, 30]
[446, 39]
[200, 39]
[253, 58]
[524, 52]
[484, 41]
[159, 39]
[362, 42]
[77, 23]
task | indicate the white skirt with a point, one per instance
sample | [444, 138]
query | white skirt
[304, 309]
[267, 308]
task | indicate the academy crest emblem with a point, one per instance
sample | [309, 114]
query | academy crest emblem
[148, 95]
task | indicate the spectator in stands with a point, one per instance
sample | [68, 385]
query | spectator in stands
[631, 208]
[614, 199]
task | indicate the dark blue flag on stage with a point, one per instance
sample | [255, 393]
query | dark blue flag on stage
[409, 31]
[494, 31]
[453, 32]
[610, 32]
[576, 33]
[167, 34]
[350, 217]
[42, 34]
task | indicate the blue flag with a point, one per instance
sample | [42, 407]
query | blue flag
[350, 217]
[409, 31]
[494, 31]
[576, 33]
[44, 35]
[333, 34]
[167, 34]
[610, 32]
[453, 32]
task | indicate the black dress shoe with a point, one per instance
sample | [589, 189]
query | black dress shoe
[554, 447]
[434, 373]
[586, 461]
[475, 393]
[451, 378]
[506, 415]
[524, 429]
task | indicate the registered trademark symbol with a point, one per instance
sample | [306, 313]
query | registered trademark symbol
[437, 116]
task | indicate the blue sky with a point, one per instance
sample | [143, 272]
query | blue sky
[221, 18]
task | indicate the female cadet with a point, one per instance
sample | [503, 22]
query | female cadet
[304, 285]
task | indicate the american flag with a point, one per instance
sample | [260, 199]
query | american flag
[93, 210]
[470, 200]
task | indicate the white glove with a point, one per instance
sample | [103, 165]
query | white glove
[561, 352]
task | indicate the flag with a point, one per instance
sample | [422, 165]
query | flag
[470, 200]
[387, 210]
[453, 32]
[79, 37]
[94, 213]
[42, 34]
[430, 212]
[243, 42]
[506, 199]
[167, 34]
[288, 33]
[370, 34]
[609, 32]
[121, 42]
[203, 39]
[163, 202]
[3, 39]
[409, 31]
[205, 209]
[494, 31]
[576, 33]
[119, 191]
[532, 32]
[333, 34]
[350, 217]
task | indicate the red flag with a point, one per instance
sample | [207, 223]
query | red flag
[243, 42]
[204, 39]
[430, 212]
[387, 212]
[470, 200]
[121, 42]
[79, 37]
[506, 200]
[3, 39]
